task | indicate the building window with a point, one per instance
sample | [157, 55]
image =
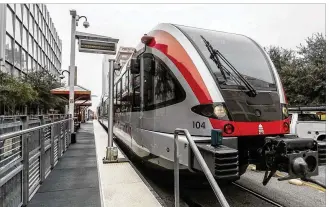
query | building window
[36, 15]
[25, 16]
[46, 33]
[44, 47]
[43, 58]
[30, 45]
[29, 63]
[46, 62]
[15, 72]
[41, 40]
[9, 49]
[34, 66]
[10, 22]
[19, 11]
[35, 45]
[31, 24]
[44, 26]
[17, 56]
[40, 37]
[41, 24]
[49, 63]
[24, 39]
[44, 11]
[8, 68]
[24, 61]
[32, 9]
[39, 55]
[18, 27]
[47, 17]
[40, 20]
[35, 31]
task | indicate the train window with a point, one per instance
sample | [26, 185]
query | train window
[246, 56]
[125, 93]
[119, 92]
[136, 92]
[161, 87]
[115, 94]
[148, 81]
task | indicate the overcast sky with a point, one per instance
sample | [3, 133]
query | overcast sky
[285, 25]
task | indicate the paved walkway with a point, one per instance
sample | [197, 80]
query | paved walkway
[74, 180]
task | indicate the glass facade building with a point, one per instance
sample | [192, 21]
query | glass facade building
[29, 40]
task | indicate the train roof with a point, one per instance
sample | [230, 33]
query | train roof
[209, 30]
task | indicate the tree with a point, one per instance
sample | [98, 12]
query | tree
[43, 82]
[280, 57]
[302, 71]
[314, 62]
[314, 52]
[15, 92]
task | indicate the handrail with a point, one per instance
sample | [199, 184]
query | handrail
[31, 157]
[18, 133]
[22, 115]
[203, 165]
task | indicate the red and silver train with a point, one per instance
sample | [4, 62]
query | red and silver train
[201, 80]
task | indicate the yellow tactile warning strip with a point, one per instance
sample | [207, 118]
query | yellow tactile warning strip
[279, 174]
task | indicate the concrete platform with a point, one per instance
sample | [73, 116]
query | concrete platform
[74, 180]
[119, 184]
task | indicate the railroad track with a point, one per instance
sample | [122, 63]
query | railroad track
[258, 195]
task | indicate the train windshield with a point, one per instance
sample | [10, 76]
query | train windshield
[239, 50]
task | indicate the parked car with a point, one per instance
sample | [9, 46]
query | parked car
[307, 125]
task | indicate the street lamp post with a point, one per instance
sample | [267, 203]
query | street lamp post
[62, 74]
[62, 77]
[111, 151]
[74, 22]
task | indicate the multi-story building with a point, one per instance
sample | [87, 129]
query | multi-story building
[124, 54]
[28, 40]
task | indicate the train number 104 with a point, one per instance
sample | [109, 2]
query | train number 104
[198, 125]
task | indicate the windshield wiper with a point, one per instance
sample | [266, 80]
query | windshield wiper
[215, 55]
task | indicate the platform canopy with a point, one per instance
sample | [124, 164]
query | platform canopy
[80, 93]
[83, 103]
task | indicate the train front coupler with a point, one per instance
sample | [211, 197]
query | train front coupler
[296, 156]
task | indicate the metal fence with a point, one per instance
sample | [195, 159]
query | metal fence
[30, 147]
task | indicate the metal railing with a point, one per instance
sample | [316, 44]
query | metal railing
[204, 167]
[27, 156]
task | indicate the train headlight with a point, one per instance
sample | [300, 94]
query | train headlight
[219, 111]
[213, 110]
[285, 111]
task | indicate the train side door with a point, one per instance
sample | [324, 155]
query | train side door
[136, 140]
[147, 101]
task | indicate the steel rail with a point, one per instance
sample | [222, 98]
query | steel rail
[258, 195]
